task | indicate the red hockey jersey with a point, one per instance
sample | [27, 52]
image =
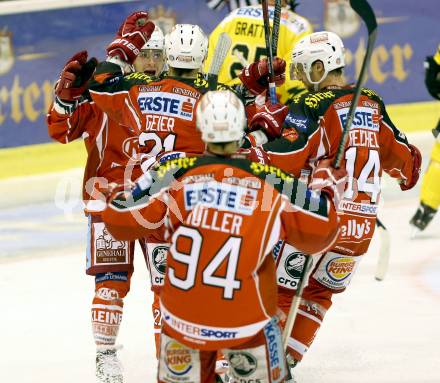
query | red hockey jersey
[223, 217]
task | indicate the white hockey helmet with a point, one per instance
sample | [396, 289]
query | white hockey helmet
[186, 46]
[324, 46]
[157, 40]
[221, 117]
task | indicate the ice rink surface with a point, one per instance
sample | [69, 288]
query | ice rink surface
[376, 332]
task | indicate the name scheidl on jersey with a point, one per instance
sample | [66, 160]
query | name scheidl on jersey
[167, 104]
[225, 197]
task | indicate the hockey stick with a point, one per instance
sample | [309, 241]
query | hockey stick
[272, 87]
[384, 251]
[276, 27]
[294, 306]
[363, 9]
[221, 51]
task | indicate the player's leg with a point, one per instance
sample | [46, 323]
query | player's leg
[261, 359]
[110, 261]
[429, 193]
[107, 310]
[331, 275]
[315, 302]
[179, 363]
[155, 257]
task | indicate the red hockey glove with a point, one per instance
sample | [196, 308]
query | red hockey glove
[256, 76]
[417, 163]
[256, 154]
[74, 76]
[329, 180]
[132, 35]
[270, 119]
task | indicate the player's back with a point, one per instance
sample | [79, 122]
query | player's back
[220, 287]
[166, 111]
[162, 110]
[246, 29]
[375, 145]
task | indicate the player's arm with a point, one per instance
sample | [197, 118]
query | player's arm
[309, 220]
[71, 114]
[65, 127]
[134, 213]
[298, 139]
[109, 88]
[399, 158]
[140, 210]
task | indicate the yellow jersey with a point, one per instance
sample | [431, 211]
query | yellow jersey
[246, 28]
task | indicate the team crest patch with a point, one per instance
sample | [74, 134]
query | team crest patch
[130, 147]
[340, 268]
[178, 358]
[294, 264]
[159, 256]
[243, 363]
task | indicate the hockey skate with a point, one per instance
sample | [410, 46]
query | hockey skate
[422, 217]
[108, 366]
[291, 363]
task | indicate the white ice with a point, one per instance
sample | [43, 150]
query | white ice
[376, 332]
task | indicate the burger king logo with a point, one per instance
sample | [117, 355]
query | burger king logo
[178, 358]
[340, 268]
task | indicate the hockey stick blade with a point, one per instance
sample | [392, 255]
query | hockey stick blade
[384, 252]
[221, 51]
[364, 10]
[276, 27]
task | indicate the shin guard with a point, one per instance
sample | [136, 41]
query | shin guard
[107, 309]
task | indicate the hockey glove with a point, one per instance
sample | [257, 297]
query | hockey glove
[270, 119]
[132, 35]
[74, 76]
[432, 76]
[256, 76]
[256, 154]
[329, 180]
[417, 163]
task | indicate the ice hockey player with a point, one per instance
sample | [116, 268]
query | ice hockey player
[245, 27]
[110, 147]
[161, 110]
[430, 190]
[375, 145]
[220, 288]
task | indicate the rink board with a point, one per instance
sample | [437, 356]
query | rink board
[31, 57]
